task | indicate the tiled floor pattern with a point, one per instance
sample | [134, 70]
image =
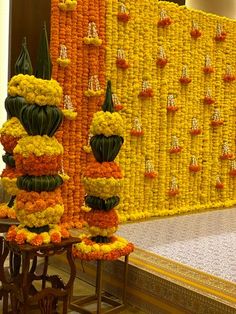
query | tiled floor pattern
[204, 241]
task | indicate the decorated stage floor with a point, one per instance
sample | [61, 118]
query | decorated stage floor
[205, 241]
[183, 264]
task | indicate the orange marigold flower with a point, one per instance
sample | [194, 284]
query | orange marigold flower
[20, 238]
[55, 237]
[11, 234]
[64, 233]
[37, 240]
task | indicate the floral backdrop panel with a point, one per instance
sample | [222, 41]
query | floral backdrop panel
[173, 74]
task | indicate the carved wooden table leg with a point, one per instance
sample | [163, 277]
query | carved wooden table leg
[4, 290]
[25, 281]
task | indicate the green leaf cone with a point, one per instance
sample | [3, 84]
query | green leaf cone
[23, 63]
[43, 65]
[108, 102]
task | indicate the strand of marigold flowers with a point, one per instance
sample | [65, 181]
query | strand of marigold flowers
[81, 102]
[54, 39]
[68, 126]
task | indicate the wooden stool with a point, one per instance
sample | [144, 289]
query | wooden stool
[78, 304]
[24, 295]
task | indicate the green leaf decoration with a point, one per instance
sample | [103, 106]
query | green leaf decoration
[43, 65]
[23, 63]
[108, 102]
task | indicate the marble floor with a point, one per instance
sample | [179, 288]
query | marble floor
[205, 241]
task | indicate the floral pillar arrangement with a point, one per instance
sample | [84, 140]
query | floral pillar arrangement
[38, 155]
[102, 182]
[11, 131]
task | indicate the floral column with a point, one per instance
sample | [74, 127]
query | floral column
[103, 182]
[11, 131]
[38, 155]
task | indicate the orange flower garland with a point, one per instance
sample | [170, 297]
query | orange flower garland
[103, 170]
[9, 142]
[102, 220]
[70, 29]
[34, 201]
[38, 165]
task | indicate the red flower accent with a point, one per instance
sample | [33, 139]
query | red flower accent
[175, 150]
[161, 62]
[221, 36]
[208, 69]
[173, 192]
[123, 17]
[172, 108]
[227, 156]
[195, 131]
[166, 21]
[195, 33]
[219, 185]
[122, 63]
[118, 107]
[136, 133]
[185, 80]
[194, 168]
[216, 123]
[229, 78]
[146, 93]
[208, 100]
[232, 172]
[151, 175]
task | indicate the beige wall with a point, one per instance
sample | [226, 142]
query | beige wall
[4, 41]
[220, 7]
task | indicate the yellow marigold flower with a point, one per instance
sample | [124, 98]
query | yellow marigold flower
[13, 127]
[93, 93]
[67, 5]
[69, 114]
[93, 41]
[102, 187]
[63, 62]
[35, 90]
[107, 123]
[38, 145]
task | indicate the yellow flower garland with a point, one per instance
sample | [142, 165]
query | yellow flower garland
[107, 232]
[119, 244]
[10, 185]
[41, 218]
[102, 187]
[13, 127]
[38, 145]
[45, 235]
[35, 90]
[196, 190]
[107, 123]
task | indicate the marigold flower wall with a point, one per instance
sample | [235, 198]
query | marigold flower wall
[197, 79]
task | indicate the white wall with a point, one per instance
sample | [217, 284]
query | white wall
[4, 42]
[220, 7]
